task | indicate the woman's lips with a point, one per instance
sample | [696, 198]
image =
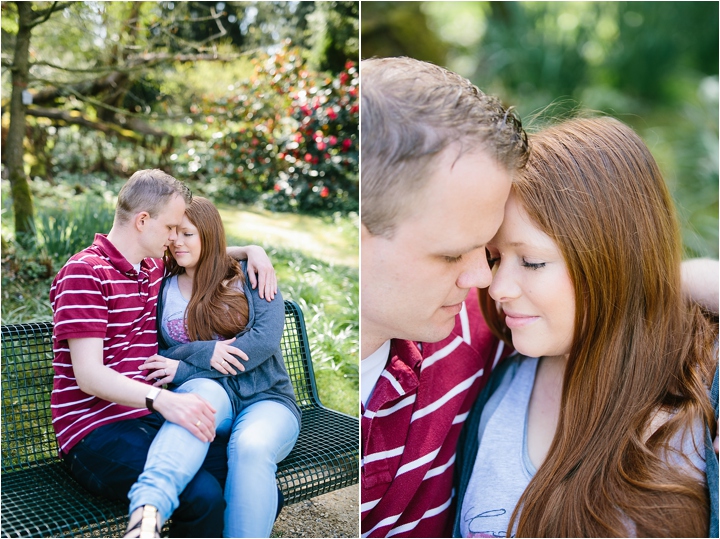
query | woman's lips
[516, 320]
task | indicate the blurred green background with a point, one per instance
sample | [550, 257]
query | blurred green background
[653, 65]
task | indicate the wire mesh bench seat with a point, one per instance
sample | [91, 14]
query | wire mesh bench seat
[41, 499]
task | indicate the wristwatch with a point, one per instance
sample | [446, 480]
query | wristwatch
[150, 398]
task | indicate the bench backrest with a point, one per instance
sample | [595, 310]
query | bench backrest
[28, 438]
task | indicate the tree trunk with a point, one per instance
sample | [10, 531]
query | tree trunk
[22, 198]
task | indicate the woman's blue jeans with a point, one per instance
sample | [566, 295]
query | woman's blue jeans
[260, 436]
[176, 455]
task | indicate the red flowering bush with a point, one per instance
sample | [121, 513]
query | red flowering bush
[288, 137]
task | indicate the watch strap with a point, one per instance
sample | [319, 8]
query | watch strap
[150, 398]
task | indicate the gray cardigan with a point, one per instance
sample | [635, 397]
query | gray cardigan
[264, 377]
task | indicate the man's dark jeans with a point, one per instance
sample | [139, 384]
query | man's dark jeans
[109, 460]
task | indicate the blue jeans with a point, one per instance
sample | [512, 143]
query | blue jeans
[176, 455]
[260, 437]
[108, 461]
[263, 434]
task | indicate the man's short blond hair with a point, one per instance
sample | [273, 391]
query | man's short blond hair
[411, 111]
[148, 190]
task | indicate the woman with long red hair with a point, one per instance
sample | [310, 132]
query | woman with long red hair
[597, 428]
[220, 340]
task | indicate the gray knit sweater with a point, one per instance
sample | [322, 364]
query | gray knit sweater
[264, 377]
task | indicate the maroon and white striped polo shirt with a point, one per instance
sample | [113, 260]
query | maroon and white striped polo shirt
[98, 294]
[411, 425]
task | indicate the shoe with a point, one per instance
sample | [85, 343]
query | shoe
[148, 525]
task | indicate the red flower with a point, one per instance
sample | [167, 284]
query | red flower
[321, 145]
[349, 65]
[332, 140]
[344, 77]
[347, 143]
[324, 192]
[277, 188]
[254, 142]
[331, 113]
[281, 155]
[308, 157]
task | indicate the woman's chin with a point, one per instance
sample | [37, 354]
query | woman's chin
[527, 349]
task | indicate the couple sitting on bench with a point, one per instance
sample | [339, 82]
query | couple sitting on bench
[219, 338]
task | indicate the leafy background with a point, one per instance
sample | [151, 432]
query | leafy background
[653, 65]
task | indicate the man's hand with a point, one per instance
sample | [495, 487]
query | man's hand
[163, 370]
[188, 410]
[259, 262]
[223, 359]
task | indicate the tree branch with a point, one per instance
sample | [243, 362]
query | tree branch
[75, 117]
[44, 14]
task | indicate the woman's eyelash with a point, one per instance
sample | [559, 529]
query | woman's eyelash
[453, 259]
[530, 265]
[492, 261]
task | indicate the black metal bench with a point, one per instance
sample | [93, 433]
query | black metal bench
[40, 499]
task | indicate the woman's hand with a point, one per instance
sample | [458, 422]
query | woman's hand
[223, 359]
[163, 369]
[259, 262]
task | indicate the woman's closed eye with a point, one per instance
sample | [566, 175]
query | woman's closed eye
[533, 265]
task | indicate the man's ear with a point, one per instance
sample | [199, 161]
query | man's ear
[140, 220]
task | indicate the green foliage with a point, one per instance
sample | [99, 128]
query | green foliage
[63, 229]
[288, 136]
[334, 31]
[653, 65]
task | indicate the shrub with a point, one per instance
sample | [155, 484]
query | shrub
[288, 136]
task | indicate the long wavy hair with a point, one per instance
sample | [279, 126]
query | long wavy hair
[639, 346]
[217, 305]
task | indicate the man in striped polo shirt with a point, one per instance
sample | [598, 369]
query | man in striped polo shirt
[437, 157]
[104, 311]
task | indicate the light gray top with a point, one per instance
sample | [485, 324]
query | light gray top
[502, 468]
